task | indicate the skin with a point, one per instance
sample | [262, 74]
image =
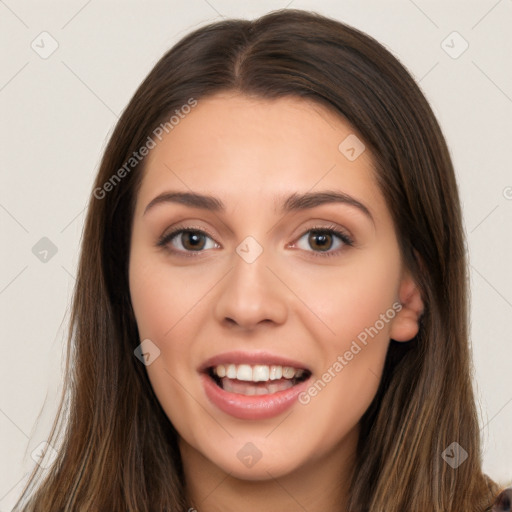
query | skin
[292, 300]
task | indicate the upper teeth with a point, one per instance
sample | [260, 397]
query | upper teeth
[257, 373]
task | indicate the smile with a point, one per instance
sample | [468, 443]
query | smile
[249, 380]
[253, 386]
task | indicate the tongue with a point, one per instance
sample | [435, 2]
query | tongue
[255, 388]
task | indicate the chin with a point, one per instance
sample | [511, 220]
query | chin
[251, 463]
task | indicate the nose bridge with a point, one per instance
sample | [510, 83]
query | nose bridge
[251, 293]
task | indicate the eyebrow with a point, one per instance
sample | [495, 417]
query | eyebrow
[294, 202]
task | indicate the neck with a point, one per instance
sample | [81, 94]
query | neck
[320, 484]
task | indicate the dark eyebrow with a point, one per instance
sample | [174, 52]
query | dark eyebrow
[295, 202]
[311, 199]
[191, 199]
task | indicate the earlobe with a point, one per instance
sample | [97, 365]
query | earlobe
[406, 323]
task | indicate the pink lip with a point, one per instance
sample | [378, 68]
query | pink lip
[240, 357]
[254, 407]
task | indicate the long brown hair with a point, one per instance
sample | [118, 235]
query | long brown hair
[119, 450]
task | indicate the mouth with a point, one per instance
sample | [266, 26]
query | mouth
[257, 379]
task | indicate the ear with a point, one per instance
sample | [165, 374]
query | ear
[406, 323]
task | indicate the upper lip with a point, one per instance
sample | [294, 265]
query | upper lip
[241, 357]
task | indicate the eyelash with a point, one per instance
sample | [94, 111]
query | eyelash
[165, 239]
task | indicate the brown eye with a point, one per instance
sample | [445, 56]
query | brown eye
[187, 240]
[321, 240]
[192, 240]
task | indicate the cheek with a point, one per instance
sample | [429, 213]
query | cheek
[356, 304]
[161, 296]
[162, 305]
[347, 300]
[161, 316]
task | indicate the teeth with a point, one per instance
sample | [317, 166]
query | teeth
[260, 373]
[288, 372]
[257, 373]
[276, 372]
[244, 372]
[231, 371]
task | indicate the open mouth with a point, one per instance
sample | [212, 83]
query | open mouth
[246, 379]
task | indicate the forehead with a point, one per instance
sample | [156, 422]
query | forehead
[247, 149]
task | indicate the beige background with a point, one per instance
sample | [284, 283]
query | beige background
[57, 113]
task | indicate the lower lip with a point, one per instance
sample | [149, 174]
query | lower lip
[255, 407]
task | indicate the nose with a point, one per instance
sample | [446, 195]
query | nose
[252, 294]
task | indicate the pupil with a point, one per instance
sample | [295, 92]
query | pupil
[194, 239]
[322, 238]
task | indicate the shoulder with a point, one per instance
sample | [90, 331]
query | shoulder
[503, 502]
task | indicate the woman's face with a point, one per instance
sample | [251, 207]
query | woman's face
[252, 300]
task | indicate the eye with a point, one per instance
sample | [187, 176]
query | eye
[322, 239]
[186, 240]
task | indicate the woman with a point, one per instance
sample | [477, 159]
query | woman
[223, 359]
